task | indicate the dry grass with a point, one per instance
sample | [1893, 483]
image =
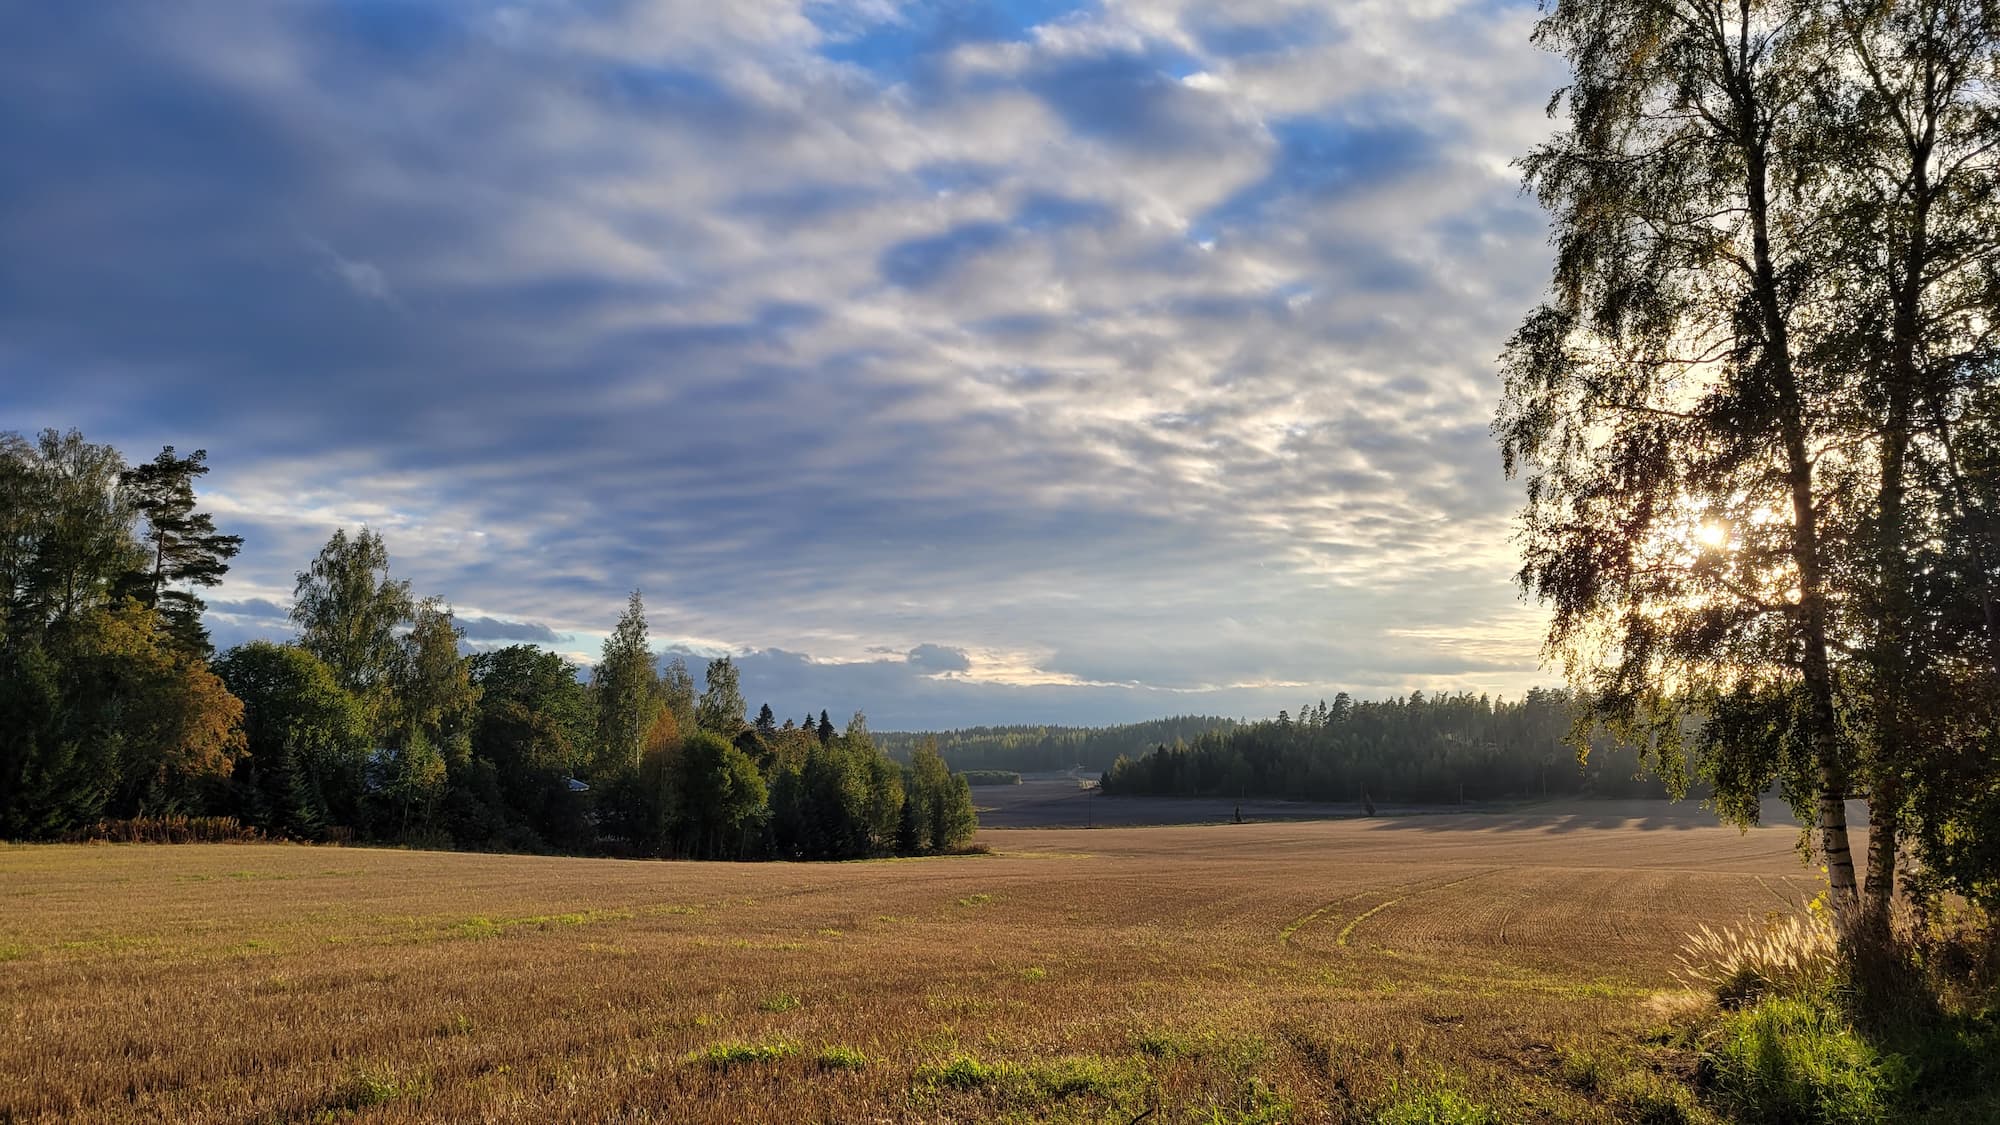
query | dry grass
[1230, 973]
[1791, 954]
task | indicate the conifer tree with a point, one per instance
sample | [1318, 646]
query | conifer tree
[185, 550]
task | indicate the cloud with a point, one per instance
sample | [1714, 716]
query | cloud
[933, 659]
[1136, 352]
[493, 629]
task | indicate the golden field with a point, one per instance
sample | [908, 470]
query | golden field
[1258, 972]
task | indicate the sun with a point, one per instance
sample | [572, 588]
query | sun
[1713, 534]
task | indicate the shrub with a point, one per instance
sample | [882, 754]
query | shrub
[1789, 1061]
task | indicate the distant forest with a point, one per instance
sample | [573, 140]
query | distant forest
[1043, 749]
[1416, 750]
[118, 719]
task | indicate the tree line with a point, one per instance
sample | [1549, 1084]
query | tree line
[1420, 749]
[1758, 418]
[1042, 749]
[376, 724]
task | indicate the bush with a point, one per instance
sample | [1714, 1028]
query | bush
[1789, 1061]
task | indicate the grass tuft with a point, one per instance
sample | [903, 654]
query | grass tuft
[840, 1058]
[723, 1056]
[1786, 954]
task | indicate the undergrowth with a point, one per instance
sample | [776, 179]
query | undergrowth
[1801, 1034]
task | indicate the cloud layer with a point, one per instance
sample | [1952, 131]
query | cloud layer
[959, 361]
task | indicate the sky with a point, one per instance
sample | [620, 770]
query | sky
[959, 362]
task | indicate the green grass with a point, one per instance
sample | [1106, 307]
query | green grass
[1433, 1105]
[782, 1002]
[723, 1056]
[840, 1058]
[1794, 1062]
[1038, 1081]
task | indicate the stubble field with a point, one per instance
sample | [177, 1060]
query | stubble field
[1289, 971]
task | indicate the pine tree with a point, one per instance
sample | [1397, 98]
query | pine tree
[185, 549]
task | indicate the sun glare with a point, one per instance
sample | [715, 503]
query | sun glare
[1713, 534]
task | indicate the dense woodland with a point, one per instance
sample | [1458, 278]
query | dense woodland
[376, 724]
[1044, 749]
[1421, 749]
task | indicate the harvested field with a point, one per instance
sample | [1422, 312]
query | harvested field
[1241, 972]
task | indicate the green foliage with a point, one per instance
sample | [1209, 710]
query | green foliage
[724, 1056]
[943, 815]
[434, 694]
[720, 708]
[1041, 748]
[185, 548]
[1791, 1061]
[677, 693]
[720, 799]
[1431, 749]
[1037, 1081]
[990, 777]
[961, 1072]
[65, 530]
[626, 690]
[348, 611]
[307, 737]
[840, 1058]
[1433, 1105]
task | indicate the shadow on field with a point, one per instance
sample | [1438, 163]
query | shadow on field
[1051, 802]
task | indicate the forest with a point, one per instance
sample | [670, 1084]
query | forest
[1044, 749]
[1416, 750]
[118, 719]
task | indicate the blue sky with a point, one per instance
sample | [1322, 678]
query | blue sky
[960, 362]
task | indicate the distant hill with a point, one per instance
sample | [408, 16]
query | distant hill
[1034, 749]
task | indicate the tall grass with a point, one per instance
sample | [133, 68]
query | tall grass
[167, 830]
[1896, 1024]
[1785, 955]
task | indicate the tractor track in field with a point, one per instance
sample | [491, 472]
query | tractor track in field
[1400, 892]
[1285, 935]
[1347, 931]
